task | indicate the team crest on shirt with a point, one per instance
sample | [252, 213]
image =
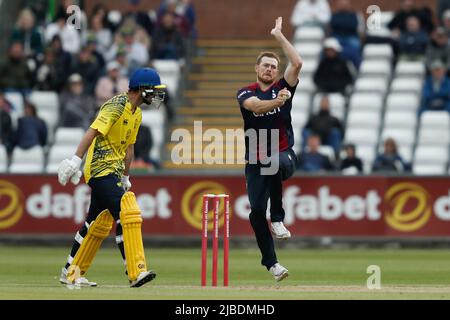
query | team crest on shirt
[274, 95]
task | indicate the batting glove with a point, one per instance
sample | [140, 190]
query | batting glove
[126, 184]
[69, 169]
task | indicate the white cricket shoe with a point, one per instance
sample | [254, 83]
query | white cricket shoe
[280, 231]
[82, 281]
[142, 279]
[279, 272]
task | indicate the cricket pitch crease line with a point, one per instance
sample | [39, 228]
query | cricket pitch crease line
[284, 288]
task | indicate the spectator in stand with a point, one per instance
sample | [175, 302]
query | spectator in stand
[137, 54]
[442, 7]
[311, 160]
[31, 130]
[82, 24]
[167, 41]
[142, 148]
[143, 38]
[326, 126]
[62, 63]
[121, 58]
[69, 36]
[111, 84]
[47, 76]
[181, 21]
[351, 164]
[389, 160]
[407, 9]
[345, 24]
[88, 67]
[26, 33]
[100, 35]
[436, 91]
[76, 108]
[14, 71]
[333, 73]
[439, 49]
[91, 45]
[41, 11]
[140, 18]
[311, 13]
[6, 128]
[446, 22]
[414, 41]
[101, 11]
[186, 9]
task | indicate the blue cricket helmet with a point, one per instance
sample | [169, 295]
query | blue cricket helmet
[145, 77]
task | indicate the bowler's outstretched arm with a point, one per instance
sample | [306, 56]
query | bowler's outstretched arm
[295, 61]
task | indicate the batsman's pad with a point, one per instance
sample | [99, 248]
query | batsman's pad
[131, 220]
[98, 230]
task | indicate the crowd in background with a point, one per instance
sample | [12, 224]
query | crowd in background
[88, 65]
[415, 34]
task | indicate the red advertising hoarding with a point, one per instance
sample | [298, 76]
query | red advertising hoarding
[171, 205]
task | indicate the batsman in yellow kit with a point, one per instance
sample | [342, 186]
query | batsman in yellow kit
[109, 144]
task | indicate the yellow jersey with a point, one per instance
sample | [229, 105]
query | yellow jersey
[118, 127]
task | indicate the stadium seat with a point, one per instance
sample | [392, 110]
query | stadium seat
[363, 119]
[367, 155]
[371, 85]
[402, 101]
[375, 68]
[3, 159]
[306, 84]
[68, 136]
[301, 100]
[45, 100]
[429, 169]
[362, 136]
[435, 119]
[400, 119]
[337, 104]
[169, 71]
[366, 101]
[16, 99]
[309, 34]
[299, 119]
[57, 154]
[328, 151]
[51, 119]
[402, 136]
[410, 69]
[433, 136]
[309, 49]
[297, 147]
[155, 120]
[17, 102]
[406, 85]
[309, 67]
[27, 161]
[406, 152]
[378, 51]
[431, 155]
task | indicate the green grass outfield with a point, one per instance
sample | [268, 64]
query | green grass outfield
[33, 272]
